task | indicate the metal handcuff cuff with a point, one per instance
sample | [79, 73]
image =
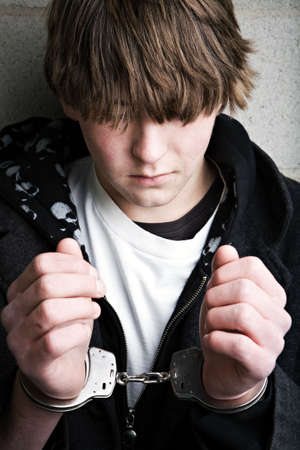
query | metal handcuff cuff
[102, 376]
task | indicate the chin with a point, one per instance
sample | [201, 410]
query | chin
[150, 201]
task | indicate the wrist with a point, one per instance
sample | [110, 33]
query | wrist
[23, 424]
[100, 379]
[244, 400]
[187, 382]
[31, 391]
[64, 392]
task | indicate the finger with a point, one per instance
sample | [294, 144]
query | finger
[58, 312]
[246, 292]
[52, 286]
[49, 263]
[70, 247]
[244, 319]
[252, 360]
[251, 268]
[224, 255]
[59, 341]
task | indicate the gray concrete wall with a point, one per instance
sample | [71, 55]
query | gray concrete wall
[272, 118]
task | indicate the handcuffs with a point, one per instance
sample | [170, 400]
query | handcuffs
[102, 377]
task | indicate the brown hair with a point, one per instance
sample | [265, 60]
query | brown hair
[115, 60]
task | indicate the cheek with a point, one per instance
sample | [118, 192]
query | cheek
[109, 160]
[100, 150]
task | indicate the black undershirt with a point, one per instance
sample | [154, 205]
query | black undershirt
[187, 226]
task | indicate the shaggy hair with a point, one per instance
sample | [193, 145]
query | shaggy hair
[117, 60]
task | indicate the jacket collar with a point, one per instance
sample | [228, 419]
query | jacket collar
[260, 188]
[33, 155]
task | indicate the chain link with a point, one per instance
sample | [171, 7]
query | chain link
[146, 378]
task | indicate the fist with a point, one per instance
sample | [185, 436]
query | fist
[49, 319]
[242, 326]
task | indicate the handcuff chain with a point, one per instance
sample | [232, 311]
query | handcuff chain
[123, 378]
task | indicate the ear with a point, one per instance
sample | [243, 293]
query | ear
[69, 111]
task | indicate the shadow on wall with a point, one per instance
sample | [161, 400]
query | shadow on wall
[23, 89]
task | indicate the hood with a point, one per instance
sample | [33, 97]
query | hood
[33, 155]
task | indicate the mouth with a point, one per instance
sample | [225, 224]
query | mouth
[148, 180]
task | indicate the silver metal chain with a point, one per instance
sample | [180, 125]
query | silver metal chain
[146, 378]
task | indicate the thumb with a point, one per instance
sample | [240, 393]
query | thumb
[70, 247]
[224, 255]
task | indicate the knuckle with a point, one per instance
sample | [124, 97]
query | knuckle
[240, 347]
[244, 313]
[12, 343]
[211, 340]
[9, 316]
[289, 321]
[209, 319]
[286, 322]
[50, 344]
[4, 317]
[254, 264]
[243, 288]
[75, 264]
[209, 298]
[269, 364]
[44, 286]
[11, 291]
[45, 315]
[274, 340]
[282, 295]
[83, 266]
[40, 264]
[218, 277]
[281, 345]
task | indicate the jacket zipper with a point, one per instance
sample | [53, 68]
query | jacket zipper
[129, 432]
[131, 411]
[179, 313]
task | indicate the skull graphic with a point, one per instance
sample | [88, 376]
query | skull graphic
[62, 211]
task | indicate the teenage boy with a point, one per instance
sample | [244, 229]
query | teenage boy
[160, 182]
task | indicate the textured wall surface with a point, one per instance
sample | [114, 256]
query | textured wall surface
[273, 115]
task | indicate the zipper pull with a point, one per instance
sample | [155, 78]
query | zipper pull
[129, 436]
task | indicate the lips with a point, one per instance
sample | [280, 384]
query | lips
[150, 176]
[148, 180]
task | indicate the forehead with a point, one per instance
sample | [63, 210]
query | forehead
[201, 126]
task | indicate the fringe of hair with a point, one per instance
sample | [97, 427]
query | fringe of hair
[117, 60]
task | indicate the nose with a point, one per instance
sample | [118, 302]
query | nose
[149, 144]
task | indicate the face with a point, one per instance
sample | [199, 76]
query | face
[154, 172]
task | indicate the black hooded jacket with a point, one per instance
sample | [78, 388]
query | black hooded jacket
[263, 221]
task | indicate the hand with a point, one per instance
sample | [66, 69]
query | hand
[242, 326]
[49, 319]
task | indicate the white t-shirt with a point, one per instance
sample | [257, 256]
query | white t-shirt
[144, 274]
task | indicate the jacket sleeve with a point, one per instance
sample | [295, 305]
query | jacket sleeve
[247, 430]
[7, 362]
[286, 432]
